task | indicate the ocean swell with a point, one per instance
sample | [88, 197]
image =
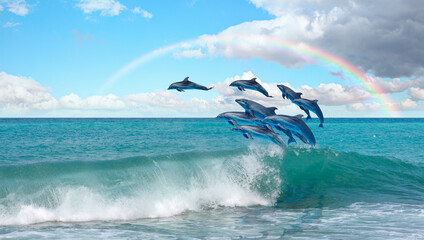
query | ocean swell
[167, 185]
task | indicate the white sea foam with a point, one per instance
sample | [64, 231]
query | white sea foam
[219, 185]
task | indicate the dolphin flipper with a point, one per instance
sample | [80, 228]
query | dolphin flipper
[232, 122]
[241, 88]
[180, 90]
[247, 135]
[301, 137]
[287, 132]
[306, 111]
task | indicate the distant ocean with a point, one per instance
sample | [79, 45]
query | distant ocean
[196, 179]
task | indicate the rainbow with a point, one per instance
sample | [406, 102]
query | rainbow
[304, 50]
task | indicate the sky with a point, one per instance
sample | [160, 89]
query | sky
[116, 58]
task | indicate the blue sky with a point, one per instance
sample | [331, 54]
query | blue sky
[56, 56]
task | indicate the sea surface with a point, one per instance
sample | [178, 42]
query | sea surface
[196, 179]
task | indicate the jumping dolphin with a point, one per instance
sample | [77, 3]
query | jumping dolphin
[260, 132]
[311, 105]
[186, 84]
[242, 85]
[294, 124]
[255, 109]
[288, 92]
[235, 118]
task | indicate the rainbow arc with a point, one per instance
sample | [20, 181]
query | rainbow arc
[302, 49]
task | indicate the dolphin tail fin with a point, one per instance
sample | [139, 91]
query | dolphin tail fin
[321, 126]
[308, 117]
[301, 137]
[291, 140]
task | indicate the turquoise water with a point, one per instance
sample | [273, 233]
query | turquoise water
[194, 178]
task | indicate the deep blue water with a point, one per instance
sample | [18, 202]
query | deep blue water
[194, 178]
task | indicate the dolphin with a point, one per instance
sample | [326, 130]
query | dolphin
[234, 118]
[255, 109]
[186, 84]
[293, 123]
[288, 92]
[311, 105]
[261, 132]
[242, 85]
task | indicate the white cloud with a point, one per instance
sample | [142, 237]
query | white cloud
[333, 94]
[157, 98]
[364, 107]
[195, 53]
[416, 93]
[143, 12]
[10, 24]
[18, 7]
[108, 102]
[395, 85]
[106, 7]
[21, 93]
[380, 37]
[409, 104]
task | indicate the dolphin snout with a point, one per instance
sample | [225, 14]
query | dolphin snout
[221, 115]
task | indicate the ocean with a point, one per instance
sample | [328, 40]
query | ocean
[196, 179]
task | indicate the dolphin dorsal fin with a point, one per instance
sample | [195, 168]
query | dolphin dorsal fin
[315, 101]
[185, 79]
[300, 116]
[253, 80]
[298, 94]
[272, 109]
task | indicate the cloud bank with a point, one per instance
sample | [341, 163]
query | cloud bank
[23, 95]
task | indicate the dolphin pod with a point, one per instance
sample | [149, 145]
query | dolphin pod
[252, 84]
[186, 85]
[264, 118]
